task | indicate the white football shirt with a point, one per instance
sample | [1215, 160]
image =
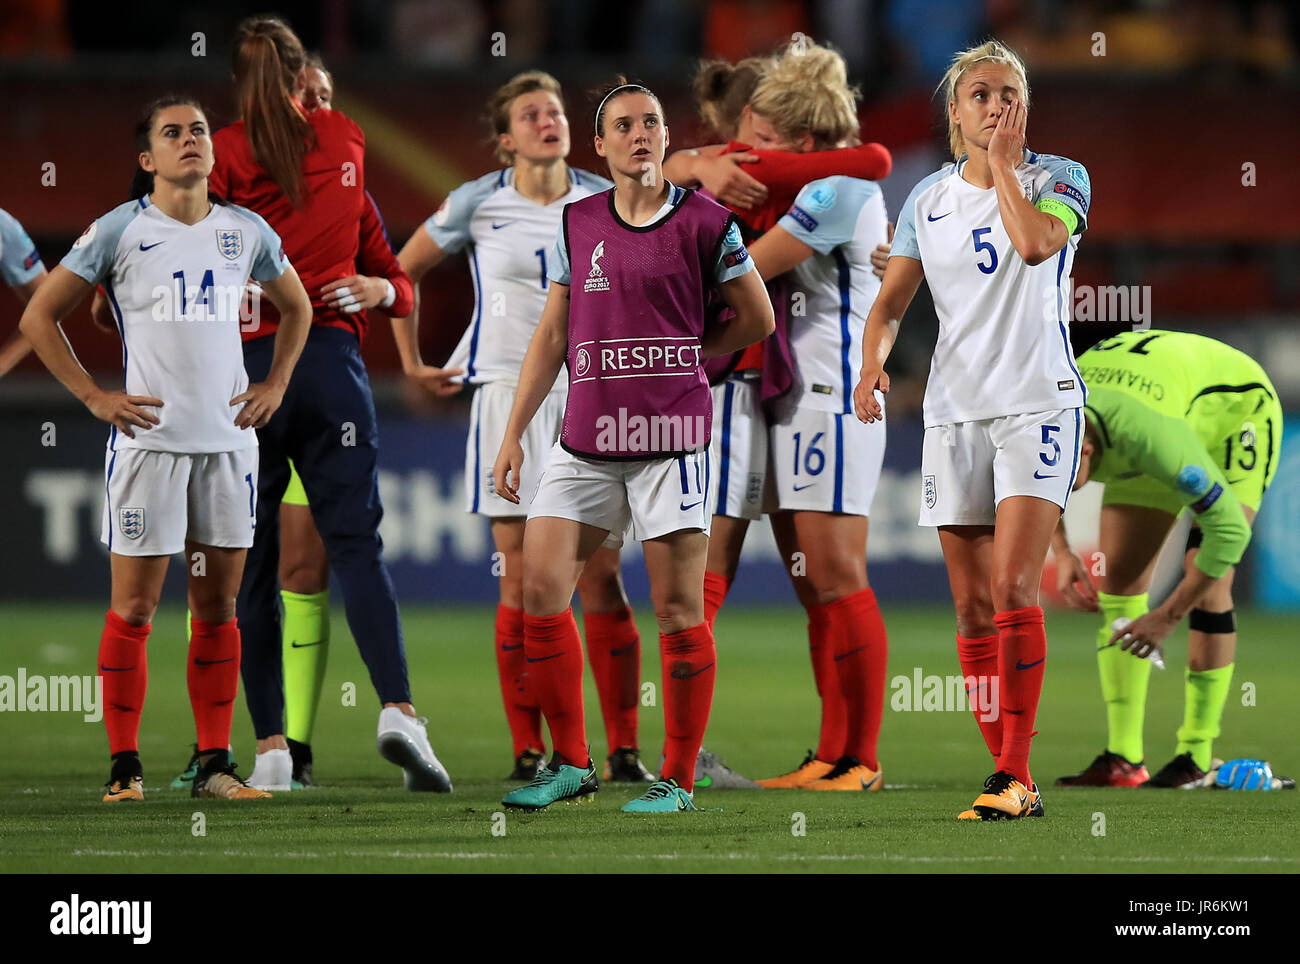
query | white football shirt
[509, 241]
[175, 290]
[842, 219]
[1003, 346]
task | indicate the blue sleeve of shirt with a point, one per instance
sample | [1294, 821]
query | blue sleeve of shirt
[1069, 183]
[91, 257]
[449, 225]
[825, 212]
[270, 261]
[19, 260]
[733, 257]
[904, 243]
[592, 182]
[557, 268]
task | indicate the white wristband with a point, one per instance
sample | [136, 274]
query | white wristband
[391, 295]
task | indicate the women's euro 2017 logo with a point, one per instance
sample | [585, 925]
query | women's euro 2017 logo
[584, 362]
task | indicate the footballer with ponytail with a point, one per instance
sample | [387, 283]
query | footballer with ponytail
[268, 59]
[305, 174]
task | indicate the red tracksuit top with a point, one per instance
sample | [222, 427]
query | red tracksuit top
[336, 227]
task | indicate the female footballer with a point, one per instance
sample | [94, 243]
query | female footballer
[507, 221]
[995, 236]
[306, 174]
[181, 467]
[630, 274]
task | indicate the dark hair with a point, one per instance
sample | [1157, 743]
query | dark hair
[601, 95]
[268, 58]
[142, 180]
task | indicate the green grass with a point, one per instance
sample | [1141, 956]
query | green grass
[763, 718]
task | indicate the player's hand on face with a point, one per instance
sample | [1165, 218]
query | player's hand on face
[354, 293]
[260, 402]
[723, 177]
[1144, 635]
[880, 256]
[865, 403]
[438, 382]
[505, 470]
[123, 410]
[1008, 142]
[1075, 585]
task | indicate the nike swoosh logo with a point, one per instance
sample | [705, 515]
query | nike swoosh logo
[1039, 475]
[1235, 481]
[297, 645]
[541, 659]
[510, 649]
[498, 227]
[704, 782]
[868, 784]
[625, 649]
[677, 674]
[1020, 665]
[849, 653]
[114, 669]
[931, 217]
[800, 488]
[146, 247]
[686, 507]
[212, 662]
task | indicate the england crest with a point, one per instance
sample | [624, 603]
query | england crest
[230, 242]
[130, 519]
[928, 491]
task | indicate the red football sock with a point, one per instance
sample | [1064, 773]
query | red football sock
[979, 664]
[522, 712]
[861, 647]
[212, 673]
[553, 650]
[690, 667]
[830, 742]
[614, 651]
[715, 593]
[124, 668]
[1022, 652]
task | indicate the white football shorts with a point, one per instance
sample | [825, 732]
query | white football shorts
[488, 414]
[157, 500]
[738, 450]
[824, 461]
[644, 498]
[968, 468]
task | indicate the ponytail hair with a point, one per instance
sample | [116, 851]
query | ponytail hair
[806, 90]
[268, 58]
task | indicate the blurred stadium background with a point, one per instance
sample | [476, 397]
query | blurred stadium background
[1182, 110]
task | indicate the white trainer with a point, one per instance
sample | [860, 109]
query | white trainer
[404, 741]
[272, 770]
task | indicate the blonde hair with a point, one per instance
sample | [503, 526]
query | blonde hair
[723, 89]
[991, 52]
[806, 88]
[498, 108]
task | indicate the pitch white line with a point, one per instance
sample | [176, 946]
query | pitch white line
[788, 858]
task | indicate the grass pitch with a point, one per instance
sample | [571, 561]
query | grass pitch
[764, 716]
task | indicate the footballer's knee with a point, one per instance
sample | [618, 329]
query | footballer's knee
[1013, 590]
[136, 610]
[974, 616]
[600, 588]
[676, 611]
